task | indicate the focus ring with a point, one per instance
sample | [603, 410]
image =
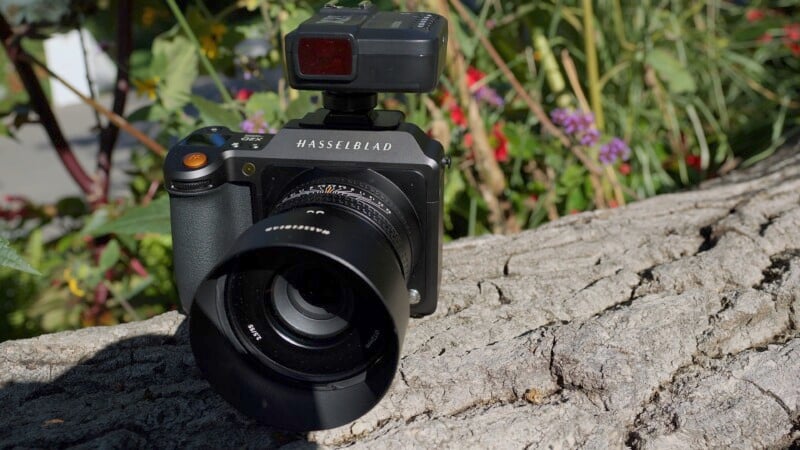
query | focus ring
[359, 197]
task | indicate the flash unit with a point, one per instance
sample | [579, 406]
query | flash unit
[325, 57]
[363, 50]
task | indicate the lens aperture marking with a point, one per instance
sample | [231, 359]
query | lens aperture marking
[340, 190]
[256, 335]
[321, 231]
[366, 200]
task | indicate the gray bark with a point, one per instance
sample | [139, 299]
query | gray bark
[670, 323]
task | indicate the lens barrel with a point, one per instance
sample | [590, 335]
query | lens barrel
[302, 323]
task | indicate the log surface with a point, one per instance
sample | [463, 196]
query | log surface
[670, 323]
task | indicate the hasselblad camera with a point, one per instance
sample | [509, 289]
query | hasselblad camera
[300, 256]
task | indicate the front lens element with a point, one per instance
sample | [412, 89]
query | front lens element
[312, 301]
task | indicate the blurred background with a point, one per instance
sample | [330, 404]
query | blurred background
[547, 108]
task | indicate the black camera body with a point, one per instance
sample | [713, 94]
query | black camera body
[300, 256]
[247, 176]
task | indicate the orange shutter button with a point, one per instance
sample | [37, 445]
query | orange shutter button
[195, 160]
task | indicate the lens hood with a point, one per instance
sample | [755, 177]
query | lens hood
[288, 380]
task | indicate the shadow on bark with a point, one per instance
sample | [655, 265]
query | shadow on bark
[140, 392]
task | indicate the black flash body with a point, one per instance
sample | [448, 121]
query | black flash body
[363, 50]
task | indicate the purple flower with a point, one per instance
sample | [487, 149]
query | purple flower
[578, 125]
[559, 116]
[590, 138]
[613, 150]
[256, 124]
[490, 96]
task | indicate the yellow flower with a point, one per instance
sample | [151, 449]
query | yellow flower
[210, 42]
[251, 5]
[218, 30]
[148, 87]
[72, 283]
[209, 46]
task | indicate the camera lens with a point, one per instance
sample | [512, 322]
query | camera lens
[312, 301]
[301, 325]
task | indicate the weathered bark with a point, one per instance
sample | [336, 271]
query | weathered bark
[671, 323]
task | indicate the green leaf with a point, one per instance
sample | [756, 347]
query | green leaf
[175, 62]
[35, 11]
[95, 221]
[10, 258]
[149, 113]
[573, 176]
[72, 207]
[34, 249]
[109, 256]
[215, 114]
[127, 290]
[454, 186]
[301, 106]
[576, 201]
[671, 71]
[267, 103]
[153, 218]
[296, 17]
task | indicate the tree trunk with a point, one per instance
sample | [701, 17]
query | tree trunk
[670, 323]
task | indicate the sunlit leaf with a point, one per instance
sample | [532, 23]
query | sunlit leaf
[174, 61]
[671, 71]
[10, 258]
[153, 218]
[109, 256]
[213, 113]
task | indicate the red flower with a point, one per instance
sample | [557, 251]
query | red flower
[794, 47]
[468, 140]
[473, 76]
[754, 15]
[625, 169]
[765, 38]
[694, 162]
[457, 115]
[243, 95]
[613, 204]
[792, 32]
[501, 146]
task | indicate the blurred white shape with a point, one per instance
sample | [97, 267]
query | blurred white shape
[65, 57]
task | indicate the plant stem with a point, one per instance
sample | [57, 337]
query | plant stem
[109, 134]
[116, 119]
[41, 105]
[226, 96]
[534, 106]
[591, 63]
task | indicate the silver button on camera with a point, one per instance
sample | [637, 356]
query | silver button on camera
[413, 297]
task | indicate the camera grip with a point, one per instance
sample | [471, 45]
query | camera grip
[203, 228]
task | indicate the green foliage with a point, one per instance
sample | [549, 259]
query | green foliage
[152, 218]
[10, 258]
[35, 11]
[695, 89]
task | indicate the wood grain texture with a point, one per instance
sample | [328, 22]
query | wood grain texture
[671, 323]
